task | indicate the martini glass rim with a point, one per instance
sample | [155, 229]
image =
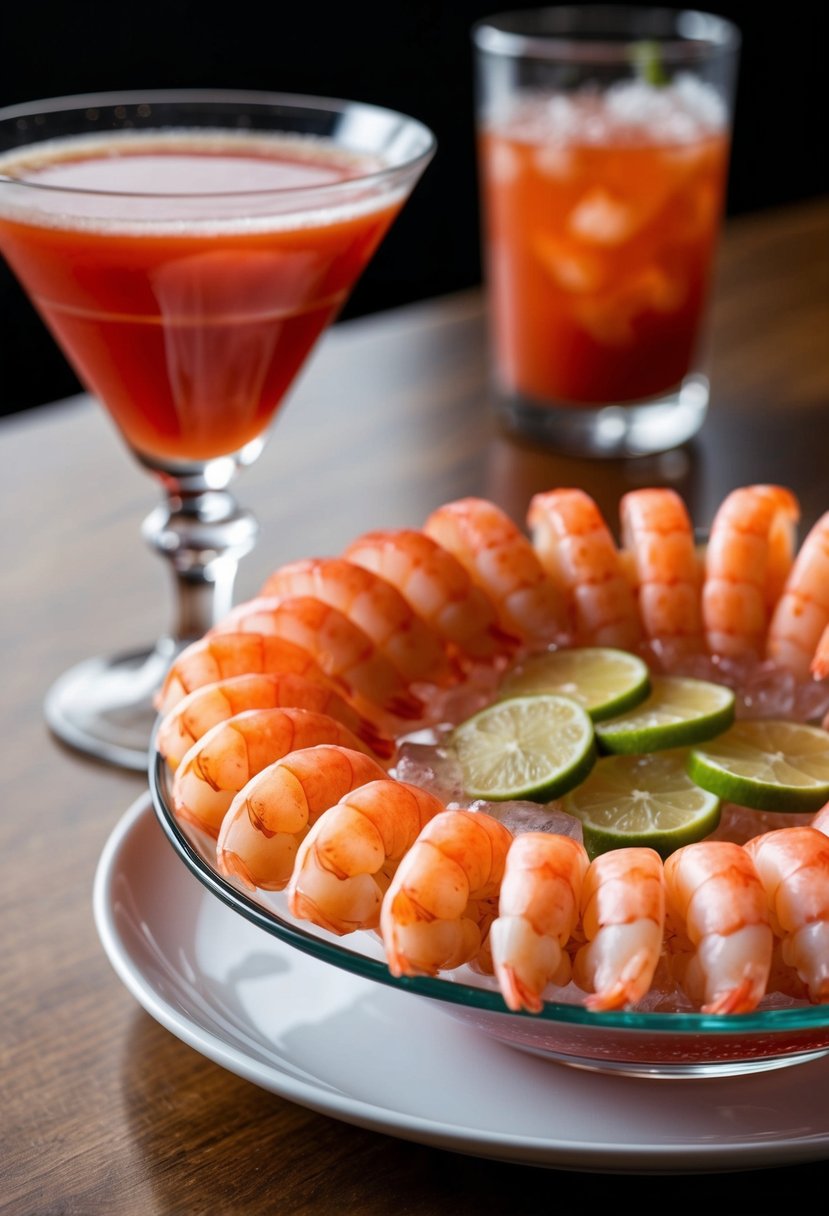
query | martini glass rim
[295, 102]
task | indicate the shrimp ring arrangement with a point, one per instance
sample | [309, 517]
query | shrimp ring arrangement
[284, 766]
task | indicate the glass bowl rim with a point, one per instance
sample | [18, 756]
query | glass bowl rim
[453, 992]
[414, 161]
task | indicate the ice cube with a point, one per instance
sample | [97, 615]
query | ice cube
[554, 160]
[521, 817]
[432, 768]
[603, 219]
[576, 270]
[503, 163]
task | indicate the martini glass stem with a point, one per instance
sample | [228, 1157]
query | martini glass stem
[203, 534]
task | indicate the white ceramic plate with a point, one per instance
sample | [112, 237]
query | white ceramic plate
[387, 1060]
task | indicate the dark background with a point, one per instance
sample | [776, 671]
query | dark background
[411, 55]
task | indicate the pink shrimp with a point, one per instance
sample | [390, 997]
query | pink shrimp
[793, 865]
[657, 533]
[538, 909]
[795, 636]
[222, 655]
[267, 819]
[747, 559]
[623, 920]
[194, 715]
[443, 897]
[414, 646]
[502, 561]
[718, 911]
[230, 753]
[344, 864]
[580, 557]
[342, 649]
[437, 587]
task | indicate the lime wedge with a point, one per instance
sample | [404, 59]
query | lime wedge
[534, 748]
[678, 711]
[604, 681]
[766, 764]
[645, 801]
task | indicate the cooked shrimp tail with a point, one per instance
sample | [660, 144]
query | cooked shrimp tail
[444, 893]
[793, 865]
[623, 920]
[718, 910]
[341, 648]
[344, 864]
[538, 909]
[580, 557]
[658, 535]
[501, 560]
[269, 817]
[230, 753]
[747, 560]
[801, 617]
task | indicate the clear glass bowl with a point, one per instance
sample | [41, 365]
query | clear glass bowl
[650, 1044]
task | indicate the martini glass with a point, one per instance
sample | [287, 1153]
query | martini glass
[186, 250]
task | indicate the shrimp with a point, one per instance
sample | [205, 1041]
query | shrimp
[579, 554]
[623, 920]
[230, 753]
[267, 819]
[657, 533]
[342, 649]
[438, 588]
[443, 897]
[187, 721]
[793, 865]
[222, 655]
[344, 864]
[747, 559]
[502, 561]
[538, 909]
[719, 911]
[414, 646]
[801, 616]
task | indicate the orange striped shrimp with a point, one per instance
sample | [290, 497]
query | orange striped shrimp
[223, 760]
[796, 632]
[538, 910]
[443, 897]
[580, 557]
[658, 536]
[342, 649]
[344, 864]
[747, 560]
[793, 865]
[717, 907]
[623, 920]
[414, 646]
[502, 561]
[194, 715]
[437, 587]
[267, 819]
[222, 655]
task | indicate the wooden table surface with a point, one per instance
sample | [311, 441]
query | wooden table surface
[101, 1109]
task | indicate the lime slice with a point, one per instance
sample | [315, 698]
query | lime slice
[534, 748]
[642, 801]
[602, 680]
[678, 711]
[766, 764]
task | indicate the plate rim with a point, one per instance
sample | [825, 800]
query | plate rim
[616, 1157]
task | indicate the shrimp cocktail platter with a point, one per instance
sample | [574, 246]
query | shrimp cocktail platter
[575, 791]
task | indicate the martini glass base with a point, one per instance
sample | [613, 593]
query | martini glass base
[104, 706]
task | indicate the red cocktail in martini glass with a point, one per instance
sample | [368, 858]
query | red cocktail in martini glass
[187, 250]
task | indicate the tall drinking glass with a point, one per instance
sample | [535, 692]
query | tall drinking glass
[186, 250]
[604, 137]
